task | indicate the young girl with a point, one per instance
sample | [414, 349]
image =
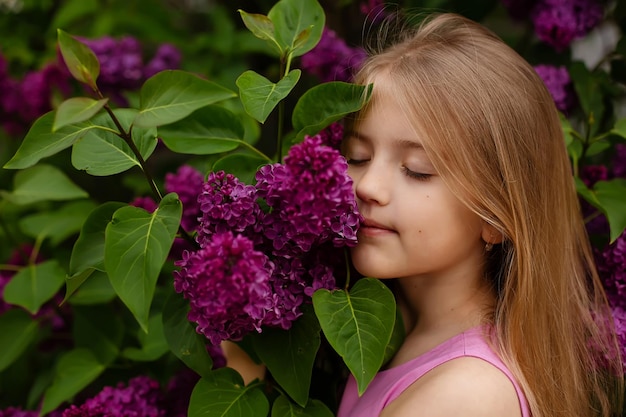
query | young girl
[462, 176]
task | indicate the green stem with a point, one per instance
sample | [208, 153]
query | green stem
[347, 259]
[255, 150]
[13, 268]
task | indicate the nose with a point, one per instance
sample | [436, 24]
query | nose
[372, 184]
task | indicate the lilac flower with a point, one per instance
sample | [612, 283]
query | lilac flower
[18, 412]
[146, 203]
[619, 161]
[227, 204]
[332, 135]
[559, 22]
[227, 285]
[619, 320]
[178, 393]
[142, 397]
[121, 62]
[611, 262]
[332, 59]
[597, 223]
[311, 199]
[187, 183]
[560, 85]
[167, 57]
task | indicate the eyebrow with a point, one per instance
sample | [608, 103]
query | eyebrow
[397, 142]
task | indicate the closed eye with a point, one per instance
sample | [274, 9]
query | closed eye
[352, 161]
[416, 175]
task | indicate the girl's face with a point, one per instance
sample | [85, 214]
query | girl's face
[414, 225]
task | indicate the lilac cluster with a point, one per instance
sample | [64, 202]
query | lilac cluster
[332, 59]
[559, 22]
[266, 248]
[142, 397]
[332, 135]
[18, 412]
[23, 101]
[559, 83]
[122, 63]
[186, 182]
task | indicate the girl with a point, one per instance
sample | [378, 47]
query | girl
[462, 176]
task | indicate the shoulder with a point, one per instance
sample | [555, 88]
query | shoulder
[465, 386]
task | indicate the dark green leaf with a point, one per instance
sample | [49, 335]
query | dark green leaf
[620, 127]
[75, 110]
[589, 91]
[89, 288]
[136, 246]
[99, 330]
[243, 166]
[43, 183]
[173, 95]
[223, 394]
[610, 195]
[327, 103]
[80, 60]
[153, 343]
[260, 96]
[57, 225]
[21, 328]
[33, 285]
[74, 371]
[182, 338]
[282, 407]
[289, 354]
[209, 130]
[358, 325]
[102, 152]
[298, 25]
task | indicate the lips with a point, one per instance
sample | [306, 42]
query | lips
[372, 228]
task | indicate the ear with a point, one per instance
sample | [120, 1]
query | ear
[491, 235]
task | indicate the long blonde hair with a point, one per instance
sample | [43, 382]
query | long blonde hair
[491, 129]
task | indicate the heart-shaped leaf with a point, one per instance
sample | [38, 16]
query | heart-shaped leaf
[57, 225]
[136, 246]
[298, 25]
[33, 285]
[260, 96]
[43, 183]
[75, 110]
[358, 325]
[282, 407]
[610, 195]
[262, 27]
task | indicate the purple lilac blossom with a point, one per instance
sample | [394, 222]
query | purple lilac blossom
[227, 285]
[145, 202]
[619, 320]
[166, 57]
[18, 412]
[619, 161]
[311, 199]
[559, 83]
[178, 392]
[332, 59]
[142, 397]
[228, 204]
[596, 222]
[611, 262]
[559, 22]
[332, 135]
[187, 183]
[121, 62]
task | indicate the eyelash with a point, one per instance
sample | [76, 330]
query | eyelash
[411, 174]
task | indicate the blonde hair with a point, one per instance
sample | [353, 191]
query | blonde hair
[491, 129]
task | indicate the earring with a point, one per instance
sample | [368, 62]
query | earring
[488, 247]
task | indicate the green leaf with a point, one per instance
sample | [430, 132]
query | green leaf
[261, 27]
[75, 110]
[22, 329]
[173, 95]
[153, 343]
[209, 130]
[620, 127]
[397, 337]
[243, 166]
[74, 371]
[88, 250]
[223, 394]
[57, 225]
[43, 183]
[182, 338]
[567, 129]
[41, 142]
[589, 91]
[136, 246]
[289, 354]
[282, 407]
[358, 325]
[89, 288]
[103, 152]
[79, 58]
[326, 103]
[33, 285]
[99, 330]
[586, 193]
[260, 96]
[298, 25]
[610, 195]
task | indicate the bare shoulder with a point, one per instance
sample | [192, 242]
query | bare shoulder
[465, 386]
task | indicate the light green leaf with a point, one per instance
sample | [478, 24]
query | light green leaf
[75, 110]
[289, 354]
[88, 250]
[261, 27]
[173, 95]
[59, 224]
[298, 24]
[136, 246]
[74, 371]
[41, 142]
[260, 96]
[223, 394]
[99, 330]
[182, 338]
[102, 152]
[79, 58]
[282, 407]
[22, 329]
[33, 285]
[209, 130]
[43, 183]
[620, 127]
[610, 195]
[326, 103]
[358, 325]
[153, 343]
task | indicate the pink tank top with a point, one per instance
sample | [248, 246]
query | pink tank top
[388, 384]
